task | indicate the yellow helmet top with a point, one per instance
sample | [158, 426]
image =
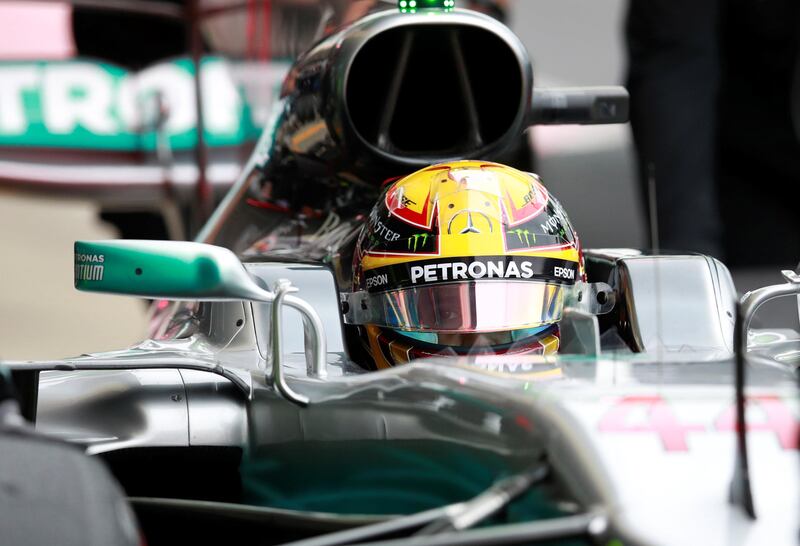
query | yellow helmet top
[463, 209]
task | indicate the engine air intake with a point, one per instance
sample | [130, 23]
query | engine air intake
[428, 91]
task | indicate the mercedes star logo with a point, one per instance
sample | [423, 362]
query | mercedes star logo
[470, 226]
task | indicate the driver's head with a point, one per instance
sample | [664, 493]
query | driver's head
[463, 258]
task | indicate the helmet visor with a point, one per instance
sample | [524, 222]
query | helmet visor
[478, 306]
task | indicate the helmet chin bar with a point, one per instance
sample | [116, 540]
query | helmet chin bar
[362, 307]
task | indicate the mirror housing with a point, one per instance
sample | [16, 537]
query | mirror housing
[173, 270]
[579, 105]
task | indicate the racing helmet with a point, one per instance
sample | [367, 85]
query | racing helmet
[466, 257]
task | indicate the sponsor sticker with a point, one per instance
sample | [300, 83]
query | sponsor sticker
[471, 269]
[376, 281]
[83, 104]
[89, 267]
[382, 230]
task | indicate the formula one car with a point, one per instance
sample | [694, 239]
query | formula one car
[247, 416]
[107, 116]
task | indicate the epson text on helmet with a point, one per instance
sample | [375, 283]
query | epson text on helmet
[377, 280]
[564, 273]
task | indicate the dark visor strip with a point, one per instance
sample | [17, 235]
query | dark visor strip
[470, 268]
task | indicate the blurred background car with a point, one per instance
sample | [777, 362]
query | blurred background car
[142, 177]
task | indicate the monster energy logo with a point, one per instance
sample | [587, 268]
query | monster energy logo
[523, 235]
[417, 239]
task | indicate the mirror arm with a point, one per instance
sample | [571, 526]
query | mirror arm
[281, 289]
[313, 331]
[314, 337]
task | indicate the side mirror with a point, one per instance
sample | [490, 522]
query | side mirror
[177, 270]
[579, 105]
[740, 490]
[172, 270]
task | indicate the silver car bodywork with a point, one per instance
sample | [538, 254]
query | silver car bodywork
[647, 438]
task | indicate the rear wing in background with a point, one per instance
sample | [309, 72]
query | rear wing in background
[126, 139]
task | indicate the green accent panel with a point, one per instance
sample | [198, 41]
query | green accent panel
[84, 104]
[382, 477]
[139, 268]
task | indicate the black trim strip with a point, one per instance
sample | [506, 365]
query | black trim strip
[470, 268]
